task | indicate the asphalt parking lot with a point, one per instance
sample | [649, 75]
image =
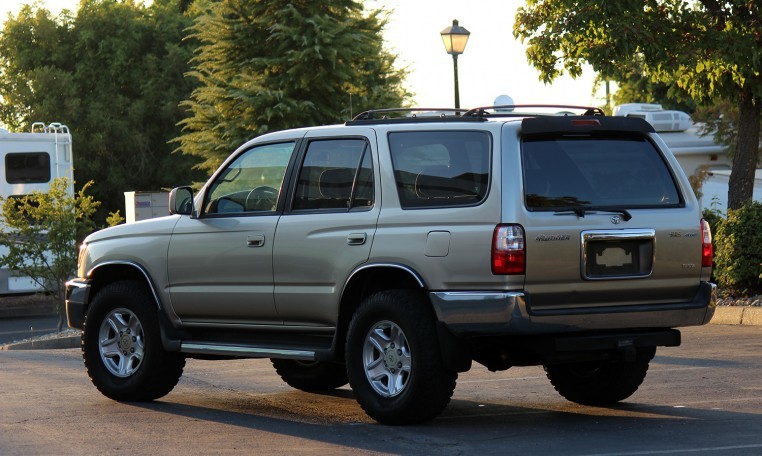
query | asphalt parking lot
[701, 398]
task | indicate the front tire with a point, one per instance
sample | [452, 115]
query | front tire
[393, 359]
[121, 345]
[311, 376]
[600, 382]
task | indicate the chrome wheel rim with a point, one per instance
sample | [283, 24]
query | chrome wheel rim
[387, 359]
[121, 342]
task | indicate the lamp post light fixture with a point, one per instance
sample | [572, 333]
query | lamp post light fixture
[455, 39]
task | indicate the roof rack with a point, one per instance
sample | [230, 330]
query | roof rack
[508, 111]
[481, 114]
[407, 115]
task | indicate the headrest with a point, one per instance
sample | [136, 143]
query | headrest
[336, 183]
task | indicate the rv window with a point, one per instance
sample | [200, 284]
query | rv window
[27, 168]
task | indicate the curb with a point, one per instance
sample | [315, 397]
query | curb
[49, 344]
[737, 315]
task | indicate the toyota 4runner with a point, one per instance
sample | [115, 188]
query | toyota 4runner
[392, 251]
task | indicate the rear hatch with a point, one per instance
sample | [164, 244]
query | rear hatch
[607, 221]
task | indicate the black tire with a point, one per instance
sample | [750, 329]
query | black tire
[412, 384]
[121, 345]
[600, 382]
[311, 375]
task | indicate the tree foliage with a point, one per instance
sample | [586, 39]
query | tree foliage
[266, 66]
[114, 73]
[637, 87]
[40, 232]
[711, 50]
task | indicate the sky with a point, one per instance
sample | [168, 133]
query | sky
[494, 62]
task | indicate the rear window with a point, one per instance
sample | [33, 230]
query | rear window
[596, 171]
[440, 168]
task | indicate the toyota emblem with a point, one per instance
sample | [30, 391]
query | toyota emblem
[616, 220]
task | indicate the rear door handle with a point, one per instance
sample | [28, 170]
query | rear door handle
[255, 240]
[356, 238]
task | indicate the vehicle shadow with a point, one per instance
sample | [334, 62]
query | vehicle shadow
[534, 426]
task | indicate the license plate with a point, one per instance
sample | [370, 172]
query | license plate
[619, 259]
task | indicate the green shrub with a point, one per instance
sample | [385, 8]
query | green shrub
[738, 250]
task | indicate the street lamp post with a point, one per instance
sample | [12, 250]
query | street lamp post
[455, 39]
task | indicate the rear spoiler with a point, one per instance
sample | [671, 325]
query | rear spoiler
[584, 125]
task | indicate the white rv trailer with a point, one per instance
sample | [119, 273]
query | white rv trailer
[30, 161]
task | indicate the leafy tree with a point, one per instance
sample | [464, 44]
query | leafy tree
[637, 87]
[712, 50]
[266, 66]
[41, 231]
[114, 73]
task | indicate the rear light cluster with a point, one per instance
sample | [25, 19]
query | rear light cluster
[707, 254]
[508, 250]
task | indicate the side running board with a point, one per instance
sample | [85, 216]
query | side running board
[246, 351]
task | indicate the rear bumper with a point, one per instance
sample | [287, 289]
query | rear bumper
[77, 294]
[510, 313]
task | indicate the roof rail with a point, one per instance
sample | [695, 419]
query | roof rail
[508, 110]
[409, 115]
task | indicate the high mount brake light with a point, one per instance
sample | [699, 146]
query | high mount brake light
[586, 123]
[508, 250]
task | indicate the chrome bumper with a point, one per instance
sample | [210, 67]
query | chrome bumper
[510, 313]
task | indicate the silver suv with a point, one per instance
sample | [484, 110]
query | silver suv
[392, 251]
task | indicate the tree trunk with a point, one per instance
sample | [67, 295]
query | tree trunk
[741, 185]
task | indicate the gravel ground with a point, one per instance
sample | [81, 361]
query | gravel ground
[726, 300]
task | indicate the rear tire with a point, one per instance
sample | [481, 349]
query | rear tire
[393, 359]
[600, 382]
[121, 345]
[311, 375]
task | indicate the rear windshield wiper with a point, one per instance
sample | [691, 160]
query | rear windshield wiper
[580, 211]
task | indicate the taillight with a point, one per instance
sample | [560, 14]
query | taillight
[706, 245]
[508, 250]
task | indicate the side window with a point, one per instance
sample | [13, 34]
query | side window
[440, 168]
[27, 168]
[336, 174]
[252, 182]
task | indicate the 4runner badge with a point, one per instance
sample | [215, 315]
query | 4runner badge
[553, 237]
[616, 220]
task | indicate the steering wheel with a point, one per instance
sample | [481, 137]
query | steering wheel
[262, 198]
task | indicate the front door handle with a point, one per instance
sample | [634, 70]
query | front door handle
[255, 240]
[356, 238]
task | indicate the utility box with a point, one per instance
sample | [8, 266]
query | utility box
[145, 205]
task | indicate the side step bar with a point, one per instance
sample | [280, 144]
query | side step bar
[246, 351]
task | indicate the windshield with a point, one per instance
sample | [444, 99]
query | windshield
[562, 172]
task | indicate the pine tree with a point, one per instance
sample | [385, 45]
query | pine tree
[271, 65]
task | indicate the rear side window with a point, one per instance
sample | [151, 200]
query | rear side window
[336, 175]
[596, 171]
[440, 168]
[27, 168]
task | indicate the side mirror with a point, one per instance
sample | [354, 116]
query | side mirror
[181, 201]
